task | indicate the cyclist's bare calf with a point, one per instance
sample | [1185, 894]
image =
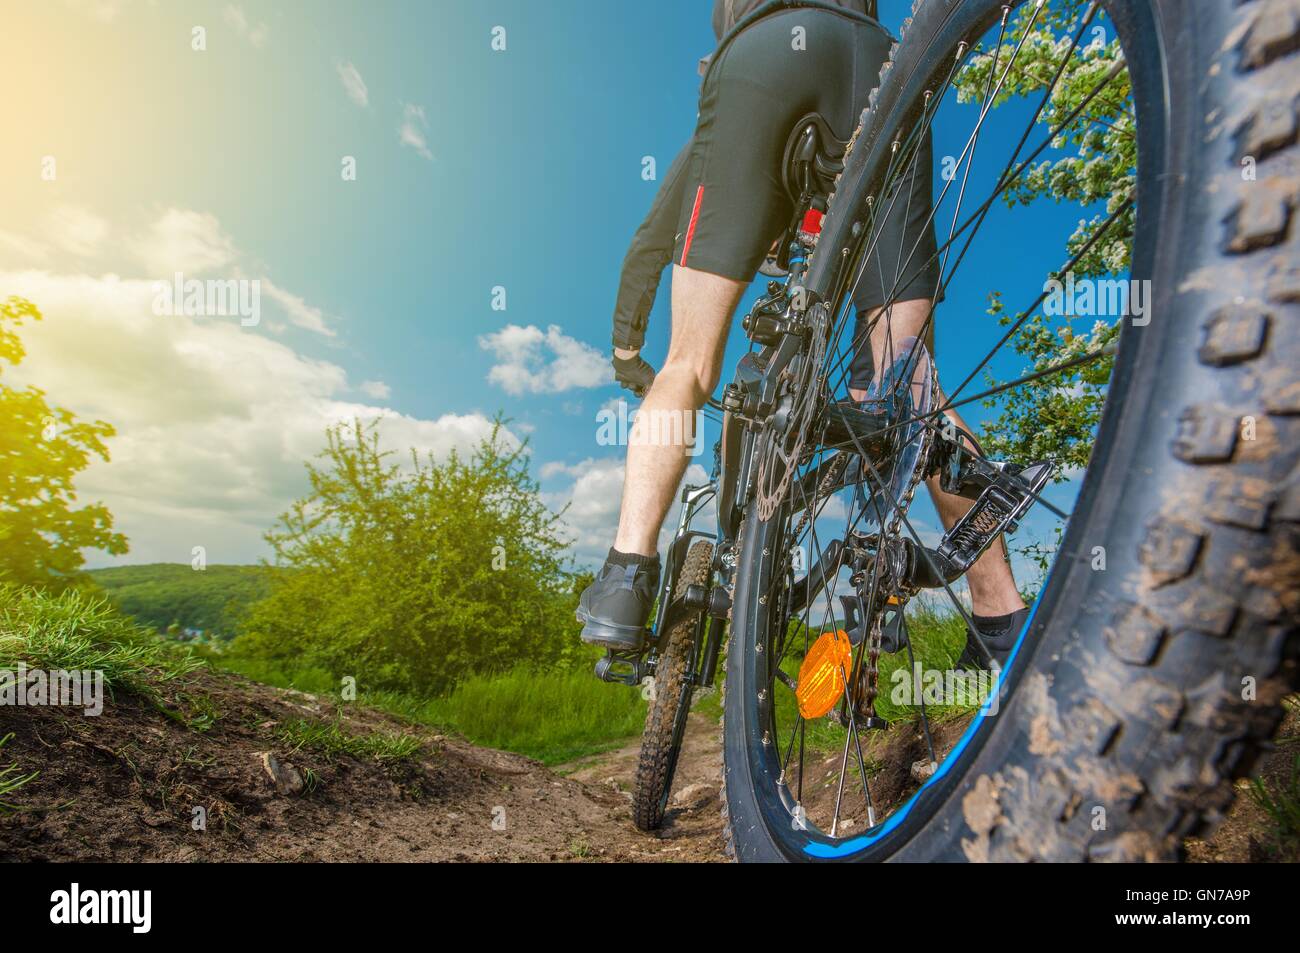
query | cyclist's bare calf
[702, 306]
[992, 586]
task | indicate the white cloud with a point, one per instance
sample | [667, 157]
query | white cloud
[186, 241]
[213, 420]
[376, 390]
[194, 243]
[353, 84]
[412, 131]
[23, 247]
[533, 361]
[297, 310]
[256, 33]
[557, 468]
[76, 230]
[594, 499]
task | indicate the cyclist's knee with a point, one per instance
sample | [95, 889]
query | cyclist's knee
[699, 374]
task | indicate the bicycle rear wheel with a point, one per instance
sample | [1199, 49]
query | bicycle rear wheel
[1140, 689]
[670, 702]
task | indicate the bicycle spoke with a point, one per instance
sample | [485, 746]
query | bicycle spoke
[967, 149]
[925, 719]
[1106, 350]
[1002, 180]
[1005, 181]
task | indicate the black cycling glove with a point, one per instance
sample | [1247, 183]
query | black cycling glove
[634, 374]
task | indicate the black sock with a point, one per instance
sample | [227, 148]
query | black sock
[615, 558]
[992, 624]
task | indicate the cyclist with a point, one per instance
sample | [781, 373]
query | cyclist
[718, 210]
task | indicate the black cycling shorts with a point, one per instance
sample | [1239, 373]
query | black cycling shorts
[734, 204]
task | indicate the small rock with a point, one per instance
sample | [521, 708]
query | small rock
[285, 776]
[695, 795]
[922, 770]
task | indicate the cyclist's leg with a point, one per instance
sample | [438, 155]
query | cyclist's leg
[992, 585]
[702, 305]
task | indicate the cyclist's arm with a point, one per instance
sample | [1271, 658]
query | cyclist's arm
[651, 250]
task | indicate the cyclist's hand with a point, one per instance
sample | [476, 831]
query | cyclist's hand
[633, 373]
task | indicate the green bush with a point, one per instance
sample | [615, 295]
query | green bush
[411, 578]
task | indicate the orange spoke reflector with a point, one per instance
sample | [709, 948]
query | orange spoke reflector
[821, 676]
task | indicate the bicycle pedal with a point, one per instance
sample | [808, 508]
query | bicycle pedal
[997, 510]
[624, 668]
[1026, 483]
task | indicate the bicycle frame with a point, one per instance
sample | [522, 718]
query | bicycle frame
[694, 499]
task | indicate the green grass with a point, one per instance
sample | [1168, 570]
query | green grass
[74, 631]
[1282, 805]
[937, 641]
[708, 702]
[11, 780]
[331, 739]
[552, 716]
[314, 681]
[560, 716]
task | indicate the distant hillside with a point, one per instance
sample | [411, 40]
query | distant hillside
[159, 594]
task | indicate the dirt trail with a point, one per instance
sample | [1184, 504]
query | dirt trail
[127, 786]
[692, 828]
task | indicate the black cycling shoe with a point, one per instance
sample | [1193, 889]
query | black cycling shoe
[614, 609]
[1000, 639]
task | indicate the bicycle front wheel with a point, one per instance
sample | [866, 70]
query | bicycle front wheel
[1163, 633]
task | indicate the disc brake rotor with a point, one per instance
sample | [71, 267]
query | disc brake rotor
[786, 433]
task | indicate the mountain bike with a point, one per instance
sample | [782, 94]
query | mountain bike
[1163, 634]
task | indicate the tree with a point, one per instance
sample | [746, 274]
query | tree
[42, 531]
[1056, 417]
[411, 577]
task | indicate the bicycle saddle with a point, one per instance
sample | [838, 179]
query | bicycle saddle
[813, 158]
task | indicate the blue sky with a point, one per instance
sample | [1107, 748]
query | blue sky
[475, 169]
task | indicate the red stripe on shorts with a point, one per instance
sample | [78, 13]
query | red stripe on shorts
[690, 229]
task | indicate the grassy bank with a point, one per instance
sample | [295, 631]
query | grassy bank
[554, 716]
[74, 631]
